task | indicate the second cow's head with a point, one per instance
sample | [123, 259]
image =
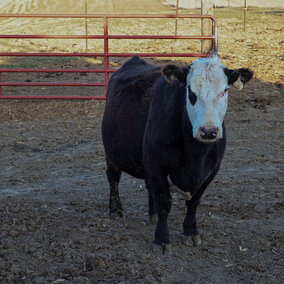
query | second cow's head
[207, 82]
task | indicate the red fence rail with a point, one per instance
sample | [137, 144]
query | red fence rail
[106, 54]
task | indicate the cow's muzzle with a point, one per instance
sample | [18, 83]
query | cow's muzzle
[209, 133]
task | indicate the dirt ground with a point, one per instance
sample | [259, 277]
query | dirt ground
[54, 223]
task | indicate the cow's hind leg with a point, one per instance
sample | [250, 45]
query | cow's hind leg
[153, 217]
[115, 207]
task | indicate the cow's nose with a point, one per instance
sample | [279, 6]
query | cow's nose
[208, 132]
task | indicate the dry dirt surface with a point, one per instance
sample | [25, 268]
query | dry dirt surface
[54, 223]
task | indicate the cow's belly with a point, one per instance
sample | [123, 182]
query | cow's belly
[127, 159]
[122, 133]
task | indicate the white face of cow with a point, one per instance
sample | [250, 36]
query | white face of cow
[207, 98]
[206, 83]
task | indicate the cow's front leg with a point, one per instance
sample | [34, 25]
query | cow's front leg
[163, 202]
[190, 231]
[190, 225]
[162, 237]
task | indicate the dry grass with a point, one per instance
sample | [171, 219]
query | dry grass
[260, 47]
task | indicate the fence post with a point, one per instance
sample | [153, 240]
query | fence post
[0, 83]
[86, 23]
[245, 15]
[106, 58]
[206, 25]
[176, 15]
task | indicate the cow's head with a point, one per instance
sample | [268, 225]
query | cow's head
[207, 82]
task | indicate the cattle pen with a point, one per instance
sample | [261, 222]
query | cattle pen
[54, 219]
[106, 37]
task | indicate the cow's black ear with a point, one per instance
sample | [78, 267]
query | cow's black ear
[238, 77]
[172, 72]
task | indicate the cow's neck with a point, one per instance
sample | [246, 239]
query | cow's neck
[197, 159]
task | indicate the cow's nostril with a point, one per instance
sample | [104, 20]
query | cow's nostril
[208, 132]
[202, 134]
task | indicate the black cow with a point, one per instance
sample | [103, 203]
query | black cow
[165, 125]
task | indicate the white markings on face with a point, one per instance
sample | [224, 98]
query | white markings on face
[208, 82]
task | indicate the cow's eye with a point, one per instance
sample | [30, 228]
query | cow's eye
[192, 97]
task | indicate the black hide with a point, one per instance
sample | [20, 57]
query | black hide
[147, 134]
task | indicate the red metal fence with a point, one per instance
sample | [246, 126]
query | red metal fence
[105, 55]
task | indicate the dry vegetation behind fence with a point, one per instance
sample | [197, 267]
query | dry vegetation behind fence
[260, 47]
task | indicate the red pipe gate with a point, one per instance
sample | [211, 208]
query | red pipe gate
[106, 54]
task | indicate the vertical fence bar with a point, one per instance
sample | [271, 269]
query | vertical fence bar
[0, 82]
[215, 33]
[176, 27]
[86, 23]
[106, 58]
[245, 14]
[206, 9]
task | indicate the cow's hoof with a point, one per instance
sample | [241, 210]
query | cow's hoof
[165, 249]
[196, 240]
[153, 219]
[117, 214]
[192, 240]
[168, 249]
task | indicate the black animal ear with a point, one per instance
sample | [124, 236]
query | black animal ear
[238, 77]
[172, 72]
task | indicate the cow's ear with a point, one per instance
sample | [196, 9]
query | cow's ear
[238, 77]
[172, 72]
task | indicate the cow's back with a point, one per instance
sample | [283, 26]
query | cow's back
[126, 112]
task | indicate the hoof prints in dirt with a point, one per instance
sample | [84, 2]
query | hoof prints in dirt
[58, 226]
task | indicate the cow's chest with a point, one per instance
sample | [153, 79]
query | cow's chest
[193, 171]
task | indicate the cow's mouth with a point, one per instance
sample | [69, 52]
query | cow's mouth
[208, 141]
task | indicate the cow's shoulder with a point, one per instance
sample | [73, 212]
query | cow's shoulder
[134, 78]
[137, 69]
[136, 62]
